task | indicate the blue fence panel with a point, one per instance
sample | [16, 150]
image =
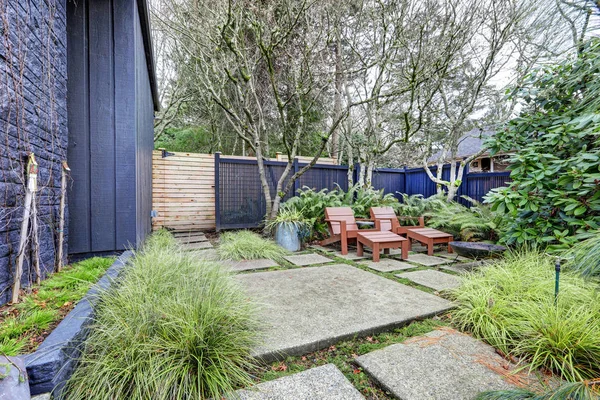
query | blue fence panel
[322, 176]
[240, 203]
[390, 180]
[478, 185]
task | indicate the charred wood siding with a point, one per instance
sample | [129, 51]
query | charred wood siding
[112, 130]
[33, 118]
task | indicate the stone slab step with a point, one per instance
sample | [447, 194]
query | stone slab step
[441, 365]
[249, 265]
[198, 245]
[307, 309]
[432, 279]
[320, 383]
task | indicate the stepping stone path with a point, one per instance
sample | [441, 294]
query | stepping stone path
[308, 259]
[351, 256]
[322, 248]
[432, 279]
[459, 269]
[443, 364]
[248, 265]
[307, 309]
[428, 261]
[209, 254]
[388, 265]
[192, 240]
[323, 383]
[452, 256]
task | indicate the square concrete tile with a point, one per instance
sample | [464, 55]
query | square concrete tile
[388, 265]
[209, 254]
[428, 261]
[308, 259]
[432, 279]
[197, 246]
[323, 383]
[323, 248]
[306, 309]
[351, 256]
[248, 265]
[451, 256]
[442, 365]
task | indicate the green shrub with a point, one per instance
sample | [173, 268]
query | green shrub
[511, 306]
[554, 197]
[585, 257]
[312, 206]
[176, 327]
[247, 245]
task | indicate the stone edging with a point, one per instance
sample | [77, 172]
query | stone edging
[51, 365]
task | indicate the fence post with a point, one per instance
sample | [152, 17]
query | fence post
[217, 195]
[296, 181]
[465, 182]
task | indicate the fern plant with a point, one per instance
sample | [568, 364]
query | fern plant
[473, 223]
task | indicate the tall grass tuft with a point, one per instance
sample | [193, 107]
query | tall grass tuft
[247, 245]
[175, 328]
[585, 257]
[586, 390]
[511, 306]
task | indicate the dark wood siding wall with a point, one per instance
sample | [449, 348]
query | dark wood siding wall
[109, 128]
[145, 136]
[33, 118]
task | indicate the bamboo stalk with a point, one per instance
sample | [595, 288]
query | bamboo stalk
[35, 240]
[61, 226]
[30, 188]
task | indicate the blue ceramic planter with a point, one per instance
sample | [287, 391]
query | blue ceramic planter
[287, 237]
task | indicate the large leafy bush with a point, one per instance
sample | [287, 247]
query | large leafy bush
[554, 196]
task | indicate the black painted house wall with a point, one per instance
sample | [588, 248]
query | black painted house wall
[111, 113]
[76, 83]
[33, 118]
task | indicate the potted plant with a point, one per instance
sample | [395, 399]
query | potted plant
[290, 228]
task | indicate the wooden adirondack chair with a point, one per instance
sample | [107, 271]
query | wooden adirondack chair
[342, 227]
[386, 220]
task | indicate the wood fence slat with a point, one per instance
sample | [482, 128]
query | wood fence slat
[183, 191]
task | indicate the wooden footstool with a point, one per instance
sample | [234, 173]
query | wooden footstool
[381, 240]
[429, 237]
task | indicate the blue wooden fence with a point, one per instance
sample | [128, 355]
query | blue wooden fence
[239, 202]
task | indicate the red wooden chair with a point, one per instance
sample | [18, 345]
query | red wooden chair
[342, 227]
[386, 220]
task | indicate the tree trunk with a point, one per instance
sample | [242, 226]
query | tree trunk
[337, 106]
[369, 175]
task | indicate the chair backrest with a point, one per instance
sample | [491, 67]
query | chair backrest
[388, 221]
[340, 214]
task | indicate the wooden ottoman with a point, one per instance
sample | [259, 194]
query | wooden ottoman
[429, 237]
[381, 240]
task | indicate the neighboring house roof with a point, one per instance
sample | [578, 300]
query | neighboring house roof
[469, 144]
[144, 12]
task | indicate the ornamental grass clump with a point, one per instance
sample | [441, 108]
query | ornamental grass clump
[511, 305]
[247, 245]
[175, 327]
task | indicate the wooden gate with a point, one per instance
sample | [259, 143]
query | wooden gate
[183, 191]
